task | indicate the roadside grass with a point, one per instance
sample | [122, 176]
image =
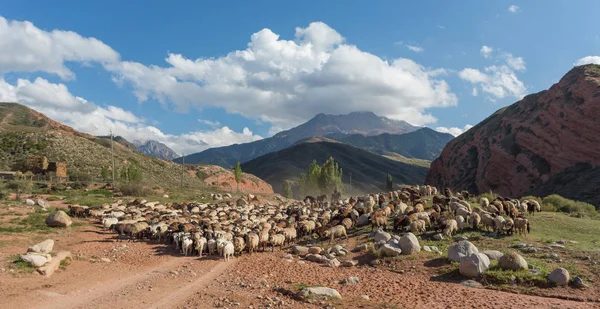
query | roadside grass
[34, 222]
[19, 265]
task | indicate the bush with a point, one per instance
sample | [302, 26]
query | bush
[133, 189]
[78, 185]
[3, 195]
[574, 208]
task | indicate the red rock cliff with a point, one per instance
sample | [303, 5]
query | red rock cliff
[549, 142]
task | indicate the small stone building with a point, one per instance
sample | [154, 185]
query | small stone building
[40, 165]
[59, 168]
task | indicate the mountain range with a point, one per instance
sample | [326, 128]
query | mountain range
[155, 149]
[544, 144]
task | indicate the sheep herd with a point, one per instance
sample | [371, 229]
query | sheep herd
[228, 227]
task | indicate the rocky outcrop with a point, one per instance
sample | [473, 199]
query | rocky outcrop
[545, 143]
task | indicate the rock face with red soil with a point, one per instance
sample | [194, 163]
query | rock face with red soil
[546, 143]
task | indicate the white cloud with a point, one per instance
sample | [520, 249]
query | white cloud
[26, 48]
[588, 60]
[516, 63]
[454, 130]
[472, 75]
[285, 82]
[210, 123]
[474, 92]
[486, 51]
[56, 102]
[513, 8]
[416, 49]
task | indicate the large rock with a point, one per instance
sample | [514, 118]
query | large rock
[512, 261]
[45, 246]
[350, 280]
[317, 258]
[493, 255]
[333, 263]
[48, 269]
[300, 250]
[532, 145]
[474, 265]
[349, 263]
[41, 203]
[30, 202]
[315, 250]
[381, 235]
[362, 220]
[59, 219]
[460, 250]
[320, 292]
[410, 244]
[559, 276]
[389, 250]
[339, 250]
[35, 260]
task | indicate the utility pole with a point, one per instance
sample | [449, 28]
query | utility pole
[112, 153]
[182, 165]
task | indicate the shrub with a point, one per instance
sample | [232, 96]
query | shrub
[575, 208]
[3, 195]
[133, 189]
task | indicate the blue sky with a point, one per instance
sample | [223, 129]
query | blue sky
[446, 65]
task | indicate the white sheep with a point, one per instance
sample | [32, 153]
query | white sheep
[201, 245]
[227, 249]
[186, 246]
[252, 241]
[484, 202]
[108, 222]
[336, 231]
[499, 224]
[451, 227]
[212, 246]
[461, 222]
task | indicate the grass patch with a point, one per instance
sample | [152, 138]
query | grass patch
[496, 275]
[64, 263]
[20, 265]
[550, 227]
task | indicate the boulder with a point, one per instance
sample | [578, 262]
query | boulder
[559, 276]
[578, 283]
[362, 247]
[59, 219]
[438, 236]
[320, 292]
[461, 249]
[389, 250]
[493, 255]
[29, 202]
[315, 250]
[410, 244]
[35, 260]
[474, 265]
[375, 262]
[48, 269]
[381, 235]
[339, 250]
[333, 263]
[362, 220]
[512, 261]
[317, 258]
[41, 203]
[349, 263]
[350, 280]
[45, 246]
[426, 249]
[300, 250]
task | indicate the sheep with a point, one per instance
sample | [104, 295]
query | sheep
[263, 238]
[201, 245]
[107, 223]
[276, 240]
[488, 221]
[484, 202]
[239, 245]
[212, 246]
[252, 241]
[347, 222]
[228, 250]
[521, 224]
[451, 227]
[417, 226]
[475, 220]
[508, 226]
[290, 234]
[533, 206]
[186, 246]
[378, 220]
[336, 231]
[499, 224]
[78, 211]
[461, 222]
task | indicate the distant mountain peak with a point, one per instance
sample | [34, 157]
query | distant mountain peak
[155, 149]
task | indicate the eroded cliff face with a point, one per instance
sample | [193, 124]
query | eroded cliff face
[532, 144]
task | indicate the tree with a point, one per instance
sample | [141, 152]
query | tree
[104, 173]
[123, 173]
[321, 179]
[287, 189]
[134, 173]
[237, 171]
[18, 186]
[389, 185]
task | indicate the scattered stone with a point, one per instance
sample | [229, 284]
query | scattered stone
[350, 280]
[59, 219]
[493, 255]
[562, 241]
[165, 196]
[375, 262]
[29, 202]
[530, 250]
[426, 249]
[512, 261]
[315, 250]
[472, 284]
[333, 263]
[409, 244]
[461, 249]
[365, 297]
[438, 236]
[48, 269]
[300, 250]
[534, 272]
[389, 250]
[559, 276]
[41, 203]
[557, 246]
[35, 260]
[461, 238]
[553, 256]
[105, 260]
[317, 258]
[45, 246]
[300, 262]
[339, 250]
[474, 265]
[578, 283]
[349, 263]
[381, 235]
[320, 292]
[362, 247]
[288, 256]
[573, 242]
[521, 245]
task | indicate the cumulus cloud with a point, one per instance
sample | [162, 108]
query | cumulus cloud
[516, 63]
[486, 51]
[210, 123]
[56, 102]
[588, 60]
[454, 130]
[285, 82]
[26, 48]
[513, 8]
